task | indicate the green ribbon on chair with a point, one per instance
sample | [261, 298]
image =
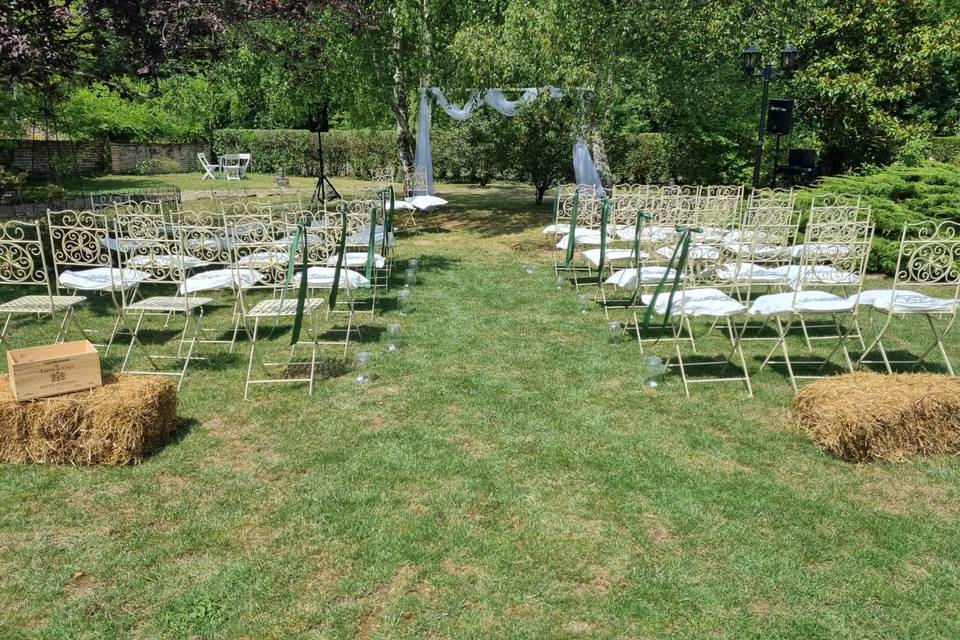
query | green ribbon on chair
[604, 215]
[371, 240]
[340, 251]
[301, 236]
[642, 217]
[678, 266]
[387, 195]
[571, 235]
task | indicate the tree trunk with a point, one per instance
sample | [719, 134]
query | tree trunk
[541, 189]
[399, 103]
[599, 151]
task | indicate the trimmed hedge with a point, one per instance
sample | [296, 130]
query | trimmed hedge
[295, 150]
[945, 149]
[896, 194]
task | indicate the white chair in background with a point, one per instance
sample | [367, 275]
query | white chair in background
[208, 168]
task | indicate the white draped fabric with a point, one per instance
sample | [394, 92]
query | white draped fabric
[584, 170]
[423, 158]
[495, 98]
[583, 167]
[457, 113]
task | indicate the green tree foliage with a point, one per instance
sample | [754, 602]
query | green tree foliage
[876, 74]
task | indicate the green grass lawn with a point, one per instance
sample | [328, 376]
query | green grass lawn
[505, 475]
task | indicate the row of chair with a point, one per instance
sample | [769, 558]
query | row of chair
[694, 253]
[250, 257]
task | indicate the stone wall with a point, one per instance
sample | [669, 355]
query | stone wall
[124, 157]
[37, 156]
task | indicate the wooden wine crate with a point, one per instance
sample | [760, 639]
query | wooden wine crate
[53, 369]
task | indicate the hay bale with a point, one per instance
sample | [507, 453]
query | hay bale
[861, 417]
[114, 424]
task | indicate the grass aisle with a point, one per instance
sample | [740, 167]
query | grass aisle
[505, 475]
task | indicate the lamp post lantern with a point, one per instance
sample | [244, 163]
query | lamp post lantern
[750, 59]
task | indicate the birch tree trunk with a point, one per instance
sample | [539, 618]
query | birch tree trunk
[399, 101]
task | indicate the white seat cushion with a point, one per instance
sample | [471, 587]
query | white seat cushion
[749, 272]
[905, 301]
[820, 250]
[797, 276]
[651, 233]
[592, 256]
[120, 244]
[322, 278]
[800, 302]
[221, 279]
[697, 302]
[750, 236]
[362, 238]
[358, 259]
[696, 252]
[102, 279]
[403, 205]
[756, 251]
[426, 203]
[564, 229]
[627, 278]
[590, 237]
[261, 259]
[166, 261]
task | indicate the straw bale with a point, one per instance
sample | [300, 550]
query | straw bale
[861, 417]
[114, 424]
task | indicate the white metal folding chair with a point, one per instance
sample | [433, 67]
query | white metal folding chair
[205, 240]
[22, 262]
[821, 286]
[208, 168]
[259, 251]
[926, 283]
[80, 244]
[163, 258]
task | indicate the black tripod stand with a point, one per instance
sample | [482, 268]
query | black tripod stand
[324, 190]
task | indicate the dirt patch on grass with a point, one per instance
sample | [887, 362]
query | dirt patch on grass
[900, 496]
[463, 569]
[599, 580]
[658, 531]
[381, 599]
[579, 628]
[474, 447]
[82, 585]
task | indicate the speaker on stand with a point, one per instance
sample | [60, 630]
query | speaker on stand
[324, 191]
[779, 123]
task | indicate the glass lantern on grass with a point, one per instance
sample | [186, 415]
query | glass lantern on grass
[393, 337]
[403, 302]
[362, 362]
[583, 302]
[653, 370]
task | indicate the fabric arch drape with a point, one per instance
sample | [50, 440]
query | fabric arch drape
[583, 167]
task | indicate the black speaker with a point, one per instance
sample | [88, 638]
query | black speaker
[780, 116]
[802, 158]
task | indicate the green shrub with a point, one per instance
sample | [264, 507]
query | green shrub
[294, 150]
[642, 157]
[945, 149]
[160, 164]
[350, 153]
[896, 194]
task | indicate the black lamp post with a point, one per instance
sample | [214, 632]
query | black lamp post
[750, 58]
